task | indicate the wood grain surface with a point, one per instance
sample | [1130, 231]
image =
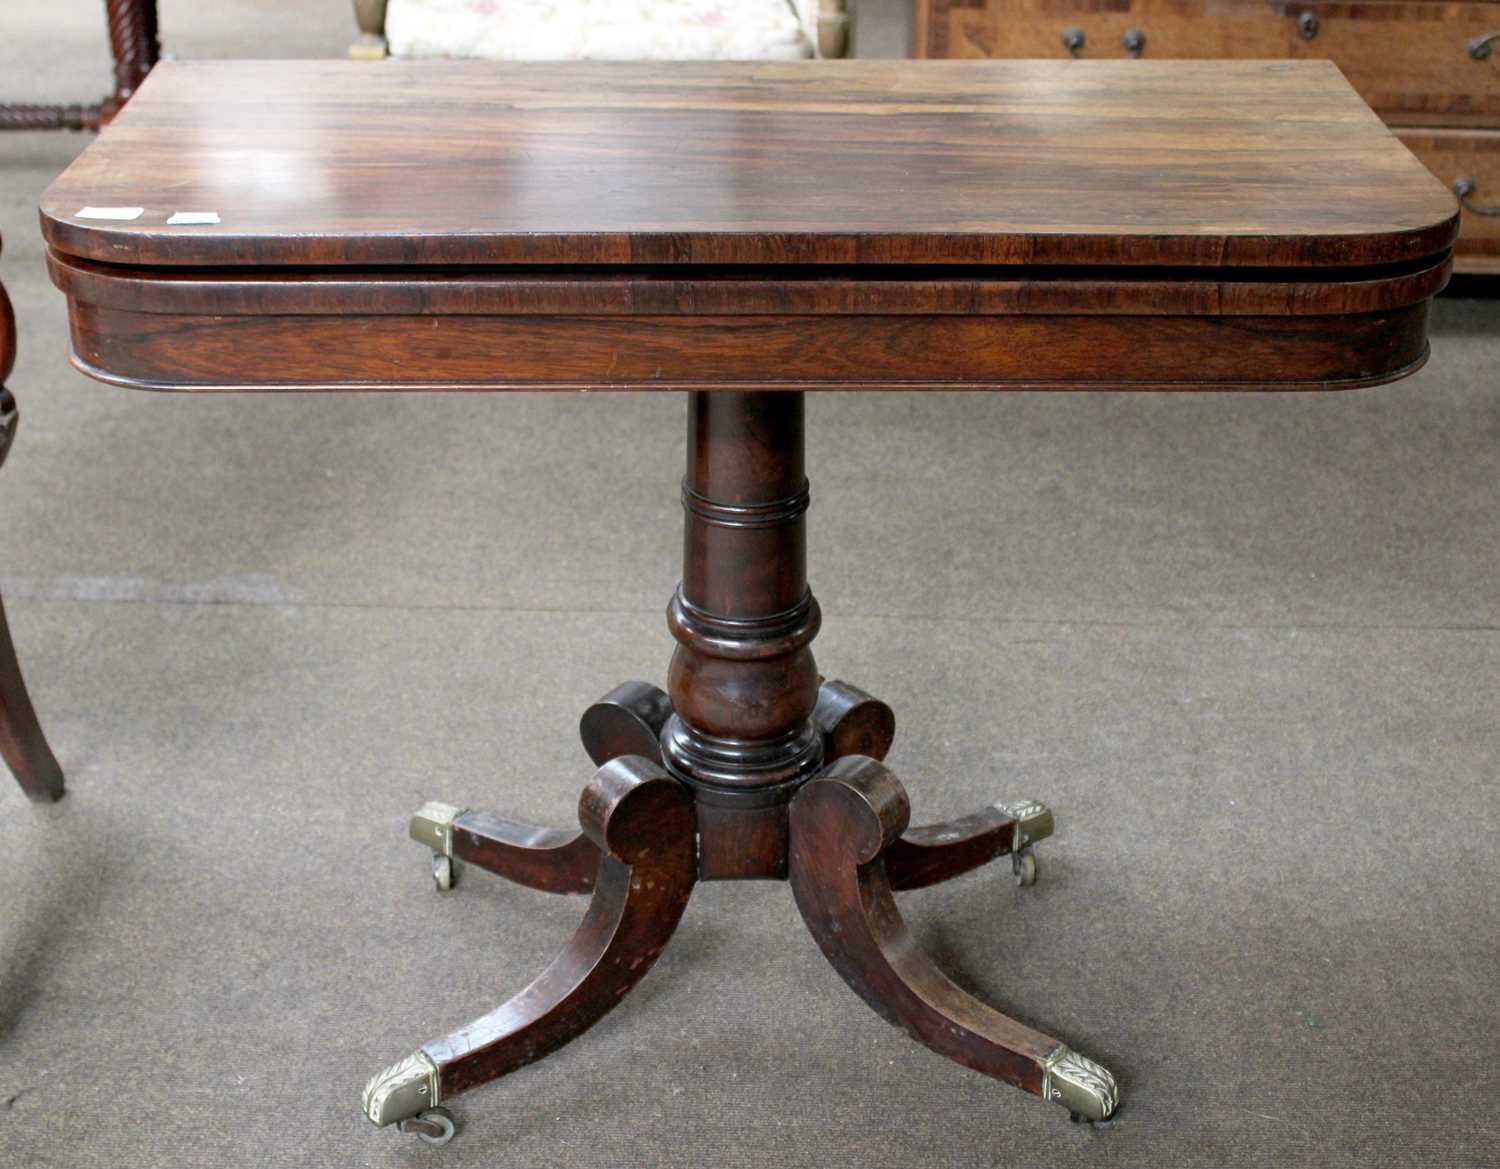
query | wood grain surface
[174, 352]
[829, 162]
[1409, 59]
[1454, 155]
[795, 290]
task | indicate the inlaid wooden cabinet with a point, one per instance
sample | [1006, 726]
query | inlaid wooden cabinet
[1430, 69]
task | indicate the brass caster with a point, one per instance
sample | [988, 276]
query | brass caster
[433, 826]
[1086, 1089]
[435, 1126]
[444, 874]
[1023, 865]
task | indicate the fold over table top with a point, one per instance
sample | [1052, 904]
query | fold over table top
[1052, 162]
[538, 217]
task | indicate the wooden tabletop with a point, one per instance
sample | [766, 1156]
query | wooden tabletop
[317, 163]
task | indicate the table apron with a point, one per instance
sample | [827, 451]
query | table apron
[181, 351]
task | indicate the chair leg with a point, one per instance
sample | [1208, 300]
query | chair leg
[22, 743]
[371, 44]
[642, 822]
[136, 46]
[841, 824]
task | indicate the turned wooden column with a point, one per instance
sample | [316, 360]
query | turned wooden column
[743, 681]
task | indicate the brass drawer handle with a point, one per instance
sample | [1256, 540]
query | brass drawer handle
[1479, 47]
[1463, 187]
[1134, 41]
[1073, 39]
[1308, 25]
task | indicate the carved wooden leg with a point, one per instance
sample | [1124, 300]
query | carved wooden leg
[642, 821]
[554, 860]
[855, 723]
[626, 721]
[136, 46]
[22, 743]
[938, 852]
[841, 824]
[21, 740]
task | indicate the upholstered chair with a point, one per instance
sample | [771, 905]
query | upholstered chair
[572, 30]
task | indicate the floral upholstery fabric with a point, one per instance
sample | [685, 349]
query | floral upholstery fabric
[608, 30]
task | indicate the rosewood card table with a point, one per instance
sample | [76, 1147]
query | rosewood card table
[745, 233]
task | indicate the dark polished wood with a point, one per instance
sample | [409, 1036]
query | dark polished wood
[750, 353]
[22, 744]
[747, 232]
[333, 163]
[842, 823]
[853, 722]
[1427, 67]
[1090, 225]
[934, 853]
[642, 823]
[743, 681]
[626, 721]
[745, 727]
[135, 45]
[554, 860]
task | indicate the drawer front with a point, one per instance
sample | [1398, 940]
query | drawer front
[1415, 60]
[1418, 61]
[1453, 155]
[1102, 28]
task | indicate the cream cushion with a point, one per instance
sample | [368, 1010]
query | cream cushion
[603, 30]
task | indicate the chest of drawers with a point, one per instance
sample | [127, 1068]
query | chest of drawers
[1431, 69]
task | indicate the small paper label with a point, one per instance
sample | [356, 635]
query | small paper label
[110, 213]
[180, 217]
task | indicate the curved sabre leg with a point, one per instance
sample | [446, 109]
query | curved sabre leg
[855, 723]
[841, 823]
[553, 860]
[938, 852]
[642, 821]
[626, 721]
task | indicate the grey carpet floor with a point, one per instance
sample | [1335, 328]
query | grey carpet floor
[1247, 647]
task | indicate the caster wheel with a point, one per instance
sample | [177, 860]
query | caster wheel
[1023, 864]
[444, 871]
[435, 1126]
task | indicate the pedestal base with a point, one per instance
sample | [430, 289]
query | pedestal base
[642, 845]
[753, 766]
